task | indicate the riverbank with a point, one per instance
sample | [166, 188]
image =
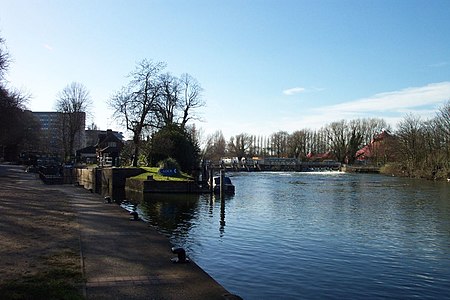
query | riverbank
[99, 251]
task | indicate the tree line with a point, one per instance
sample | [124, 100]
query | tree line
[343, 138]
[417, 148]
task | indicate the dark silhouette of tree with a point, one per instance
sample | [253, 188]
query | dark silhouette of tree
[72, 103]
[191, 98]
[4, 59]
[134, 105]
[18, 127]
[169, 100]
[178, 100]
[175, 142]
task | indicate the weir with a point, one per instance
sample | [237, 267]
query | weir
[274, 164]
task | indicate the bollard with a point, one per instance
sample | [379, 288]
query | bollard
[181, 255]
[135, 216]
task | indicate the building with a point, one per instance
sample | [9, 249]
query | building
[92, 136]
[102, 147]
[379, 150]
[54, 133]
[108, 148]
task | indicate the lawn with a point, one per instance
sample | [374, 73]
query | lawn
[153, 171]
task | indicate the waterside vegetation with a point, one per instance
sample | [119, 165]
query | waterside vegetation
[153, 172]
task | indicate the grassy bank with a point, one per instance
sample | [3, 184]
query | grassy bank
[153, 171]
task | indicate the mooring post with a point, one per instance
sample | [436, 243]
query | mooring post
[222, 175]
[211, 174]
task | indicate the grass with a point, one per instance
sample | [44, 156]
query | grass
[53, 284]
[153, 171]
[61, 280]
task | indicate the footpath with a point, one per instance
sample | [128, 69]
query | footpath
[121, 258]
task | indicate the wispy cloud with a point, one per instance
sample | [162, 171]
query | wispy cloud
[396, 101]
[391, 106]
[48, 47]
[299, 90]
[294, 91]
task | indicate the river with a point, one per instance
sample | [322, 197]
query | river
[316, 235]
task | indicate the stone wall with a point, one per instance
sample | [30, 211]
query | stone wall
[114, 179]
[86, 178]
[152, 186]
[106, 181]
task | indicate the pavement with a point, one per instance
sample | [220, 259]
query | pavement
[126, 259]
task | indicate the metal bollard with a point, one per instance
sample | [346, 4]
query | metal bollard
[181, 255]
[135, 216]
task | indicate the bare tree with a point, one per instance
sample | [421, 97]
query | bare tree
[191, 98]
[443, 124]
[298, 143]
[135, 104]
[215, 147]
[346, 138]
[169, 100]
[336, 134]
[4, 58]
[410, 133]
[372, 127]
[279, 143]
[240, 145]
[72, 103]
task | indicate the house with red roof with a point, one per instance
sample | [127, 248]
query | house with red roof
[379, 150]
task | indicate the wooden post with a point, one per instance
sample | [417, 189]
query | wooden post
[211, 175]
[222, 175]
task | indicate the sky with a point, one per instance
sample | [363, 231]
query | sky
[264, 66]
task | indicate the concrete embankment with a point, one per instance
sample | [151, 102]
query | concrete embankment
[120, 258]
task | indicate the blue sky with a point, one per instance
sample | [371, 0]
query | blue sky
[265, 65]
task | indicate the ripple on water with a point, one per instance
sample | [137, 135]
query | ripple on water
[316, 236]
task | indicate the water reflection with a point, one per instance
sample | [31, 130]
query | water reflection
[175, 213]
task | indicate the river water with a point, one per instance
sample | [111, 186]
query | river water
[316, 235]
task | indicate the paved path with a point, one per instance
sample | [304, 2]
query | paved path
[124, 259]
